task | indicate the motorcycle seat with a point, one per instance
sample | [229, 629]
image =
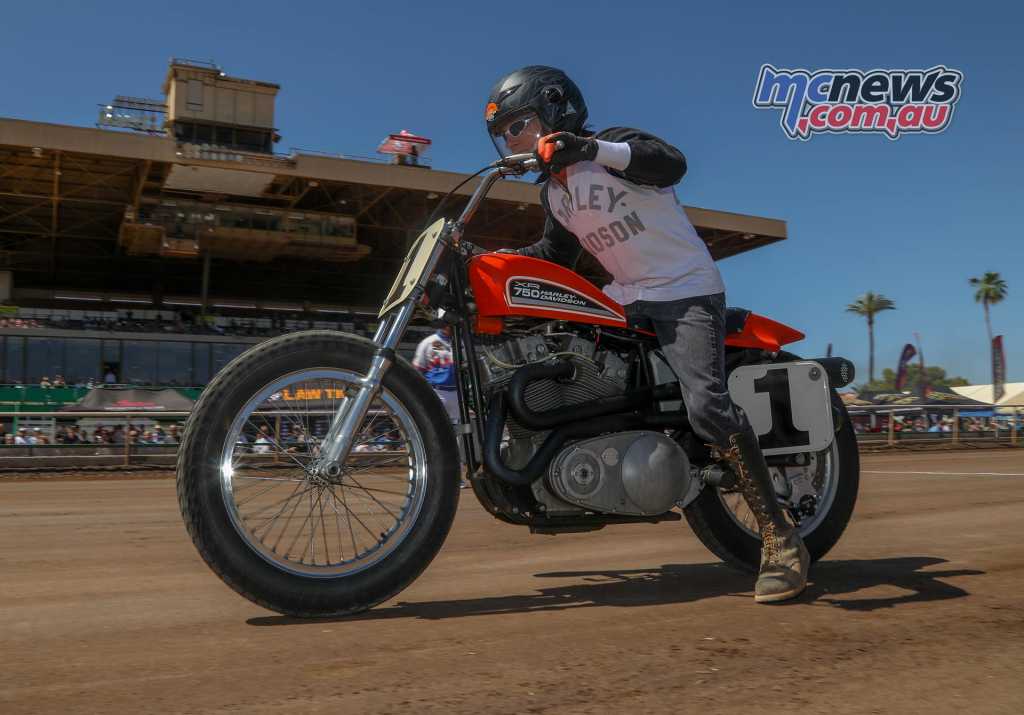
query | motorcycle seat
[735, 319]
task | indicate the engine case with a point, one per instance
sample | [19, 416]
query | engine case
[638, 472]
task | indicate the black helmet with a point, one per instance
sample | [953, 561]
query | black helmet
[545, 92]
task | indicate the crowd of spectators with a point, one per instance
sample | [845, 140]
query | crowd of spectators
[183, 322]
[21, 323]
[942, 424]
[99, 435]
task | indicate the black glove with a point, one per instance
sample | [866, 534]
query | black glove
[573, 149]
[470, 249]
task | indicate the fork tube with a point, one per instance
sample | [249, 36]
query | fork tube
[341, 434]
[338, 440]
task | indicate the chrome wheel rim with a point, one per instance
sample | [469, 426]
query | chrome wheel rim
[312, 525]
[821, 473]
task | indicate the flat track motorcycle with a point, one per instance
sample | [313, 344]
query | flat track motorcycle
[319, 473]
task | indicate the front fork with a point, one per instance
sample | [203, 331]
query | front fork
[338, 441]
[340, 436]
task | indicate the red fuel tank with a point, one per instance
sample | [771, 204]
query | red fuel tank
[506, 284]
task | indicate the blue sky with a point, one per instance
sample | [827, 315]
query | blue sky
[912, 219]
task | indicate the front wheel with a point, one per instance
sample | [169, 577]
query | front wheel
[294, 541]
[823, 493]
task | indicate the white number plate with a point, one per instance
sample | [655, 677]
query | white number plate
[788, 404]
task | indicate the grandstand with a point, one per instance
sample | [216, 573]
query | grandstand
[160, 243]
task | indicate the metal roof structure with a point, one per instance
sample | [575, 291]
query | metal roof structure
[72, 199]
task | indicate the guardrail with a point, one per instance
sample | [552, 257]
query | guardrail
[121, 454]
[1005, 423]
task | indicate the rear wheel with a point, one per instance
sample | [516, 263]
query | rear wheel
[822, 494]
[294, 541]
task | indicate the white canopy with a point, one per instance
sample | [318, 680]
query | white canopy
[1013, 395]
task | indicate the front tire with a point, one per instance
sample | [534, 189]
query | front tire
[234, 455]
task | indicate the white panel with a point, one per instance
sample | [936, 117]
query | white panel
[790, 410]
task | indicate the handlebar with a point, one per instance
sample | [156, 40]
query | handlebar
[518, 164]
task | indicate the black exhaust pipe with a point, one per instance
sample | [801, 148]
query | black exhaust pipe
[840, 371]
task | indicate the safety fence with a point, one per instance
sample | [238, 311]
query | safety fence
[148, 438]
[889, 425]
[38, 444]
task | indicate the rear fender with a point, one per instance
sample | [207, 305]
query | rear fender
[763, 333]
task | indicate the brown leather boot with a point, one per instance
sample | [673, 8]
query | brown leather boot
[784, 558]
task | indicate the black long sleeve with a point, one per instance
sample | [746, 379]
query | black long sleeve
[653, 161]
[557, 244]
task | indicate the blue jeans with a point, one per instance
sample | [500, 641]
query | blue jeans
[691, 332]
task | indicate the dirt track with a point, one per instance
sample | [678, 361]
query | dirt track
[106, 607]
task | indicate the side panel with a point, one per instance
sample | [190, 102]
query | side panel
[508, 284]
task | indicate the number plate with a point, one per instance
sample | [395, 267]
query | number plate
[788, 404]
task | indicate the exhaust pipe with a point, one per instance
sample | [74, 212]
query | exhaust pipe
[840, 371]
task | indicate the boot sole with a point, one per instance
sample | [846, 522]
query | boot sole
[776, 597]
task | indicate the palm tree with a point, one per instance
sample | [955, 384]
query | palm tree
[991, 290]
[868, 305]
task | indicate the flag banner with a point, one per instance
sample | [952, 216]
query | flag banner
[901, 369]
[998, 369]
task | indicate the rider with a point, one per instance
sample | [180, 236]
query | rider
[610, 192]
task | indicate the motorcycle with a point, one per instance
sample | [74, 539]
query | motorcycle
[319, 473]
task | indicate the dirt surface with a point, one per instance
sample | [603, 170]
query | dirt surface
[106, 607]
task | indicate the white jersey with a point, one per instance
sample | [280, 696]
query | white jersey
[640, 234]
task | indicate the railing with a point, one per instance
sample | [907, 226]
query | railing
[125, 453]
[957, 423]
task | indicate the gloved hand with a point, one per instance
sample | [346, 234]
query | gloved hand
[574, 149]
[470, 249]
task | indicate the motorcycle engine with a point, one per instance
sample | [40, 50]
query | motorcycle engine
[637, 472]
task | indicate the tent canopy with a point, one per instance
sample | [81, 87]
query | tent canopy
[1013, 395]
[105, 399]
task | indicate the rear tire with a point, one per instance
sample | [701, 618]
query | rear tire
[215, 532]
[718, 530]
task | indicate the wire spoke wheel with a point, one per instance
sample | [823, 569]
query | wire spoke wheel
[311, 524]
[296, 538]
[814, 483]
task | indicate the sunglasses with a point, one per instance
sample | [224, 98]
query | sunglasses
[517, 127]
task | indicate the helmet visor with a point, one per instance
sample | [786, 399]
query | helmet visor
[518, 134]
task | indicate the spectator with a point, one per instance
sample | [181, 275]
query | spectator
[35, 438]
[262, 443]
[8, 439]
[110, 378]
[172, 435]
[59, 381]
[45, 382]
[433, 359]
[22, 437]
